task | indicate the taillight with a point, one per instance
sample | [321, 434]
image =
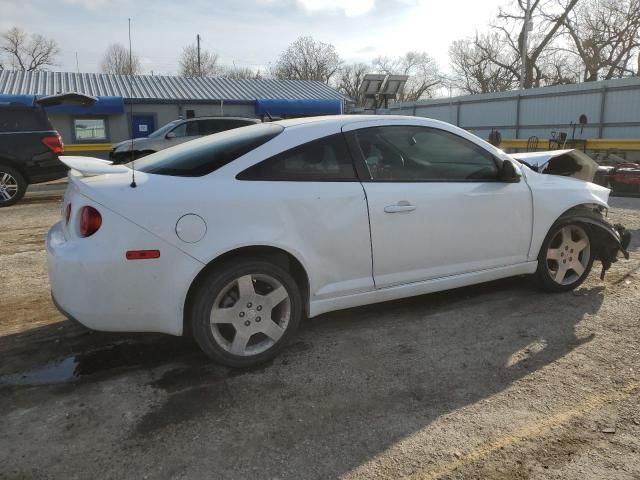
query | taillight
[67, 214]
[90, 221]
[54, 143]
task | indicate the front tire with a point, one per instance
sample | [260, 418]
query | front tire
[13, 186]
[243, 313]
[566, 257]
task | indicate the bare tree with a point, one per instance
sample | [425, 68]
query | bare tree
[28, 52]
[605, 35]
[240, 73]
[350, 79]
[116, 61]
[208, 63]
[307, 59]
[424, 76]
[549, 17]
[482, 65]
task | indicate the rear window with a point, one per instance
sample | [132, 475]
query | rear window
[205, 155]
[23, 119]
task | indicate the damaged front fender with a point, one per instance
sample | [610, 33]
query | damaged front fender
[607, 240]
[567, 163]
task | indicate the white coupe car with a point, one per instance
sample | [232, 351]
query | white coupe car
[234, 237]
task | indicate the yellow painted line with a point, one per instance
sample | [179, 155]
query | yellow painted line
[88, 147]
[592, 143]
[535, 430]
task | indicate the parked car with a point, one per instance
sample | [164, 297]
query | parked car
[175, 133]
[29, 145]
[235, 237]
[625, 178]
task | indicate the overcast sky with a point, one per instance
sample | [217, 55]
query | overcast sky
[246, 33]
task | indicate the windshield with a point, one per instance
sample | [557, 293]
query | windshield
[162, 131]
[207, 154]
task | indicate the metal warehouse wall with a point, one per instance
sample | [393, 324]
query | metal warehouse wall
[612, 108]
[118, 126]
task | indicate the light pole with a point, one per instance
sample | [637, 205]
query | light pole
[199, 66]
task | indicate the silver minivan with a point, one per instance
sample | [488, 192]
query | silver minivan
[174, 133]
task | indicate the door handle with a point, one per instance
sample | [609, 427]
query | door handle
[401, 206]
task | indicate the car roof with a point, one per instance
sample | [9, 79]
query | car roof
[342, 120]
[252, 120]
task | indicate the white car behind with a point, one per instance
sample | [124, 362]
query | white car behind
[235, 237]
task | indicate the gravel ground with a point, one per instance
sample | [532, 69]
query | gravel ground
[494, 381]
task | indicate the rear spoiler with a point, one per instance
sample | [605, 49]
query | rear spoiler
[90, 166]
[571, 163]
[71, 98]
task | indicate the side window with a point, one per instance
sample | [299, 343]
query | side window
[193, 128]
[180, 130]
[326, 159]
[229, 124]
[209, 127]
[410, 153]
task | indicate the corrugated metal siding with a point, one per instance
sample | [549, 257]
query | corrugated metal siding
[539, 111]
[147, 87]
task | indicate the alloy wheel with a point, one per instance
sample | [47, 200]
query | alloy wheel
[568, 254]
[8, 186]
[250, 314]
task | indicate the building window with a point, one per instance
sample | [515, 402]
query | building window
[89, 129]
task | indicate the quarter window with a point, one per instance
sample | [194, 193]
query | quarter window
[89, 129]
[326, 159]
[410, 153]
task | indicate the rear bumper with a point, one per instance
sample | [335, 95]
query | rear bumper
[45, 168]
[93, 283]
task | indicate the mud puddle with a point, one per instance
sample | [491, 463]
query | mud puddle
[108, 359]
[194, 365]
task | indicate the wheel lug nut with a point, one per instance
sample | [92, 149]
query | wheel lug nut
[249, 305]
[247, 323]
[258, 319]
[241, 314]
[259, 307]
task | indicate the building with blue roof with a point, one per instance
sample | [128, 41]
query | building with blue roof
[154, 100]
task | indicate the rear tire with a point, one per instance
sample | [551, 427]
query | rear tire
[566, 257]
[243, 312]
[13, 186]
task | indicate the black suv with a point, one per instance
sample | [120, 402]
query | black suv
[29, 146]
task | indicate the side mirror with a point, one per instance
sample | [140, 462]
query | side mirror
[508, 172]
[170, 135]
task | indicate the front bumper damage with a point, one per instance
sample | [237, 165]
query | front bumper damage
[608, 240]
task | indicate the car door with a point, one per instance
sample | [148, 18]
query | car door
[310, 195]
[436, 205]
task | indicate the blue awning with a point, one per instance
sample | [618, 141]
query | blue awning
[24, 99]
[278, 107]
[103, 105]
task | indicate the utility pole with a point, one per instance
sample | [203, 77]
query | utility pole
[199, 66]
[528, 26]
